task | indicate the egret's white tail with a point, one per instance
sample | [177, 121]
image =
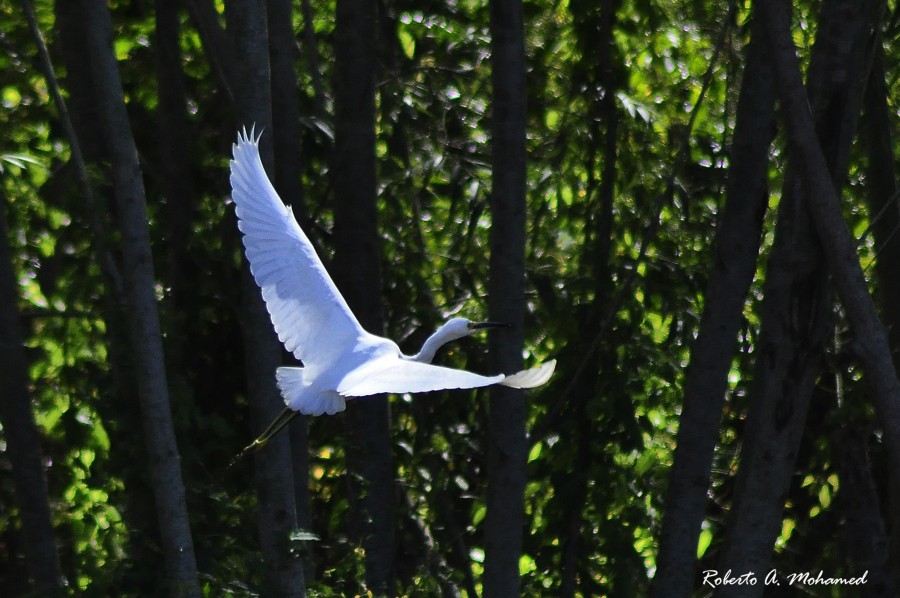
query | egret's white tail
[300, 396]
[530, 378]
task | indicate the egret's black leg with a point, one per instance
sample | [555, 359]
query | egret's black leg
[281, 421]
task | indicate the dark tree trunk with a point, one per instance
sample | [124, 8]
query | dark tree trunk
[81, 123]
[286, 139]
[867, 543]
[174, 148]
[23, 445]
[797, 305]
[598, 37]
[507, 443]
[872, 347]
[881, 183]
[286, 136]
[262, 351]
[881, 187]
[356, 269]
[733, 267]
[795, 326]
[143, 317]
[216, 46]
[796, 311]
[78, 81]
[312, 59]
[175, 157]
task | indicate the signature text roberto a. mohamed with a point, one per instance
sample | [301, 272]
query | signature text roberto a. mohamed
[712, 578]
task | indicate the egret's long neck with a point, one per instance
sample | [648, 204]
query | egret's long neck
[430, 346]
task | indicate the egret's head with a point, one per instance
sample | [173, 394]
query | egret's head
[454, 329]
[459, 327]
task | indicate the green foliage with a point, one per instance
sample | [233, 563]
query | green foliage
[616, 302]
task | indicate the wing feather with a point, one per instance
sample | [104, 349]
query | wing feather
[532, 378]
[309, 314]
[397, 375]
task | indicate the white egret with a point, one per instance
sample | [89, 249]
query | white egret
[340, 360]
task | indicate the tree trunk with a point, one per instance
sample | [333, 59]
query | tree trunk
[312, 59]
[262, 351]
[867, 544]
[599, 22]
[507, 443]
[81, 120]
[175, 157]
[356, 270]
[795, 326]
[286, 139]
[873, 349]
[286, 136]
[733, 267]
[23, 445]
[796, 310]
[174, 149]
[881, 185]
[146, 338]
[217, 48]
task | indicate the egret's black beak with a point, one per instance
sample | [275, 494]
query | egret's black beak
[480, 325]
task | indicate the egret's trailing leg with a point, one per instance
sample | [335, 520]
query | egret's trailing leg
[283, 419]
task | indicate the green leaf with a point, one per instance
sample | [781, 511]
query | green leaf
[10, 97]
[704, 542]
[478, 515]
[407, 43]
[535, 452]
[526, 564]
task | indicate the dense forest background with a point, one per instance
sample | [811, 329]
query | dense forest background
[642, 188]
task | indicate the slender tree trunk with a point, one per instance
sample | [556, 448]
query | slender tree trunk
[881, 186]
[873, 349]
[795, 327]
[356, 269]
[98, 229]
[174, 147]
[286, 139]
[312, 59]
[23, 445]
[143, 317]
[217, 48]
[507, 443]
[84, 108]
[298, 432]
[599, 22]
[867, 544]
[262, 351]
[796, 311]
[175, 157]
[448, 537]
[733, 267]
[81, 123]
[286, 107]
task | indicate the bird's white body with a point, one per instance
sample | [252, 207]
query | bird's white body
[312, 319]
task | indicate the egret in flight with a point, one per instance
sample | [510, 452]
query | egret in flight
[340, 360]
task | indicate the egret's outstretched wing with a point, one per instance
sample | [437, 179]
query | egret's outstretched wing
[531, 378]
[311, 317]
[396, 375]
